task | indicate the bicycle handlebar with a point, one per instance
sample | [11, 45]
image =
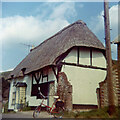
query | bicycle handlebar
[42, 95]
[46, 96]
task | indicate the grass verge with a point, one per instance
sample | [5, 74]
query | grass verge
[97, 113]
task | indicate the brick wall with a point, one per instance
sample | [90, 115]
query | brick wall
[102, 92]
[64, 90]
[119, 72]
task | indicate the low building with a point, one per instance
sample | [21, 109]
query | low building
[74, 51]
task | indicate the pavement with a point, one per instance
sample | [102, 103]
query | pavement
[0, 116]
[26, 114]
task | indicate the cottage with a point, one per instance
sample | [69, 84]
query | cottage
[74, 51]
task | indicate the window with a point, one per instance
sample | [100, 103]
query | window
[21, 93]
[13, 98]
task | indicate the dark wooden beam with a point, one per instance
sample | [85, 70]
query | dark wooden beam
[54, 72]
[118, 50]
[77, 55]
[44, 76]
[84, 66]
[37, 77]
[91, 57]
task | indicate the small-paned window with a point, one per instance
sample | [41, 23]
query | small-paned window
[21, 95]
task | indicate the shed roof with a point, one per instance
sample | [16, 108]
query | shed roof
[45, 54]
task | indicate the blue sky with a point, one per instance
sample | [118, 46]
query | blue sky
[33, 22]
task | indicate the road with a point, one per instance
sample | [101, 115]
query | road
[27, 114]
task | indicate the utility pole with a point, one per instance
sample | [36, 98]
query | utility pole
[110, 91]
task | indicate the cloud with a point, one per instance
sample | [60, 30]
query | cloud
[99, 21]
[58, 0]
[21, 29]
[31, 30]
[114, 21]
[97, 25]
[35, 29]
[63, 11]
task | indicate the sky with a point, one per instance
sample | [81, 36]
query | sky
[30, 23]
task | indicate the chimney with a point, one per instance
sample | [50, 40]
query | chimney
[32, 48]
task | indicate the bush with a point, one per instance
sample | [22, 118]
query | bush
[5, 107]
[97, 113]
[26, 107]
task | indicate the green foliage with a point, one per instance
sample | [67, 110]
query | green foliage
[26, 107]
[97, 113]
[117, 113]
[6, 108]
[69, 114]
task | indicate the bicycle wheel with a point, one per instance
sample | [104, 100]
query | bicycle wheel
[37, 112]
[60, 112]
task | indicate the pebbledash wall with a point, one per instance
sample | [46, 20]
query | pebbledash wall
[84, 81]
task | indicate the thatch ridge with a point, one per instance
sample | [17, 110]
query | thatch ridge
[77, 22]
[45, 54]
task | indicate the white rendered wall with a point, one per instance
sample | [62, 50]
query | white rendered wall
[32, 100]
[12, 89]
[84, 56]
[98, 59]
[52, 77]
[72, 56]
[85, 80]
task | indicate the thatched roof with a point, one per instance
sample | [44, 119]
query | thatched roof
[76, 34]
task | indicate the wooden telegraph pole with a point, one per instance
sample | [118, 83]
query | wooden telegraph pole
[111, 103]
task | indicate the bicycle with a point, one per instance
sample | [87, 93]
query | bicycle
[57, 109]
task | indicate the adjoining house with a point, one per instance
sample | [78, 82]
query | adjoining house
[74, 51]
[102, 91]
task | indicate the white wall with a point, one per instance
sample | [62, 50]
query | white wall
[84, 56]
[52, 77]
[12, 89]
[28, 80]
[85, 80]
[72, 56]
[30, 99]
[98, 59]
